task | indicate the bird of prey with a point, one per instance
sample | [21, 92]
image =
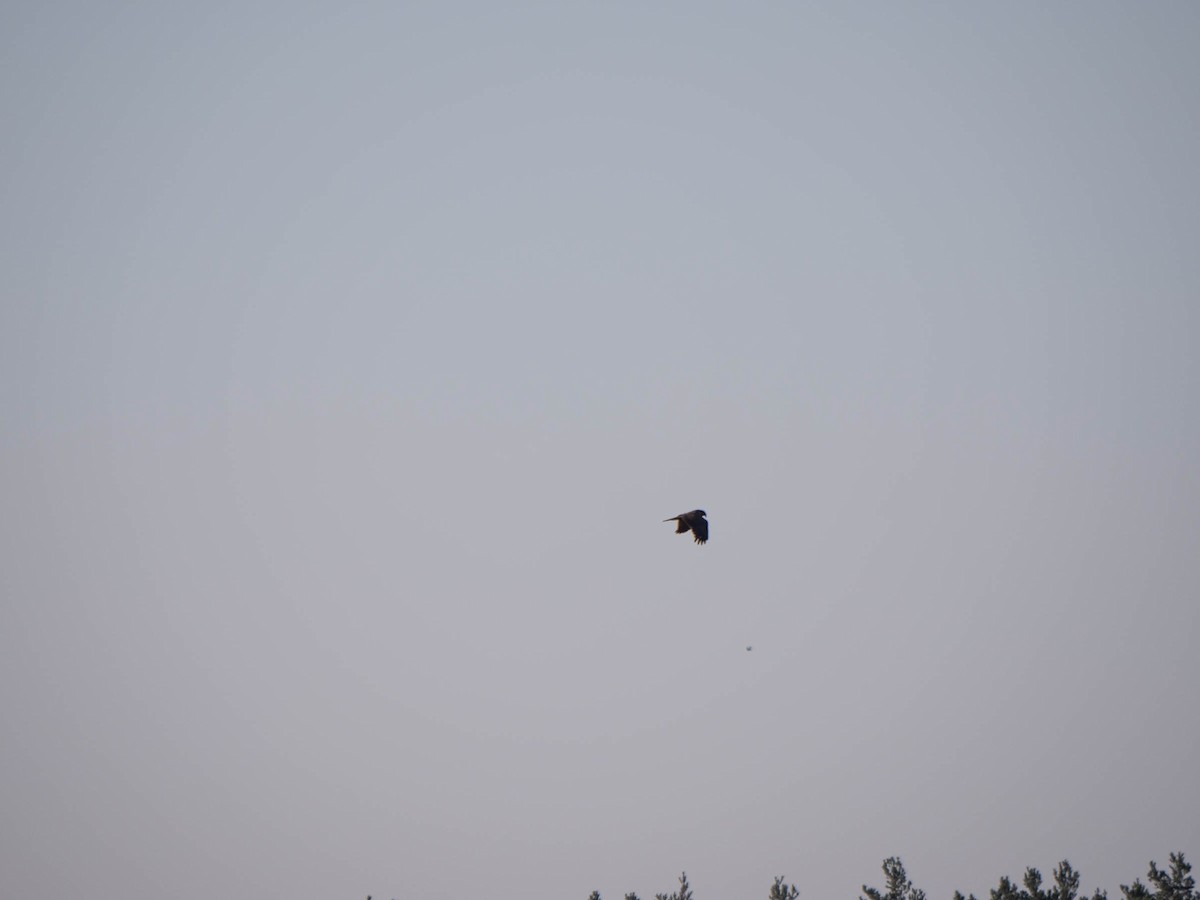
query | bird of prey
[694, 522]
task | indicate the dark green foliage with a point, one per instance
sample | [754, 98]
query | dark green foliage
[1065, 887]
[781, 890]
[1006, 891]
[898, 885]
[684, 892]
[1176, 884]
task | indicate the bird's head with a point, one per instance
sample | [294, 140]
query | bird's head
[701, 512]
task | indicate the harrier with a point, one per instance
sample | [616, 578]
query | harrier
[694, 522]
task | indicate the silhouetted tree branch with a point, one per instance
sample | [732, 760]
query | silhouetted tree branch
[781, 890]
[898, 885]
[1173, 883]
[684, 892]
[1176, 884]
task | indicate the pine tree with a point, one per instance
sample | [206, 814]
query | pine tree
[684, 892]
[1176, 884]
[898, 885]
[781, 890]
[1066, 886]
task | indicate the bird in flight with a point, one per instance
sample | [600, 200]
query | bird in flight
[694, 522]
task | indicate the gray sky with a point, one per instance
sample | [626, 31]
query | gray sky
[352, 354]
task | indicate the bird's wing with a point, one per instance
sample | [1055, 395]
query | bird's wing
[700, 529]
[681, 525]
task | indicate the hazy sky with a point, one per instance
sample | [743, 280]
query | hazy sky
[351, 355]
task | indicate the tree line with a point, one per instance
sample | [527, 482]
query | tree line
[1175, 882]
